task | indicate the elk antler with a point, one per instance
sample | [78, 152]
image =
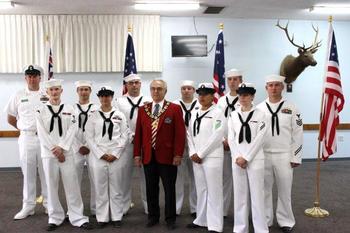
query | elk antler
[316, 44]
[291, 40]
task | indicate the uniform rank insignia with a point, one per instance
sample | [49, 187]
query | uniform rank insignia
[168, 120]
[217, 124]
[73, 120]
[44, 98]
[116, 118]
[262, 126]
[286, 111]
[299, 121]
[24, 100]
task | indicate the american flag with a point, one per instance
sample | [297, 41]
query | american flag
[333, 100]
[219, 67]
[50, 66]
[130, 61]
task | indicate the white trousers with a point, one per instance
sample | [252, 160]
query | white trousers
[80, 161]
[127, 164]
[30, 161]
[109, 193]
[185, 174]
[208, 179]
[249, 184]
[278, 169]
[53, 169]
[227, 182]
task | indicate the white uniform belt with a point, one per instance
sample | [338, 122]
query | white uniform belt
[31, 133]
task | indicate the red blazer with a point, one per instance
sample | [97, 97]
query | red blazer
[171, 134]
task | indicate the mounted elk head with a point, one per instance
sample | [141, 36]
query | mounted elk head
[291, 67]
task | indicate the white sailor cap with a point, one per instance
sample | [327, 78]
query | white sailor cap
[105, 91]
[132, 77]
[205, 88]
[33, 70]
[246, 88]
[53, 83]
[83, 83]
[233, 73]
[274, 78]
[188, 83]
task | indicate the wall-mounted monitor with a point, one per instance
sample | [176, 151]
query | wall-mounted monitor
[189, 46]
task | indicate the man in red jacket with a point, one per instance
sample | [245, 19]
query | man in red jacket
[158, 145]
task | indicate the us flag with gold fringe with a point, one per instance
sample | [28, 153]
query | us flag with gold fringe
[219, 67]
[333, 100]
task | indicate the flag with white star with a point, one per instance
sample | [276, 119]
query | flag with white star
[130, 61]
[219, 67]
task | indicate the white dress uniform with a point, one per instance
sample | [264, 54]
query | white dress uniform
[185, 169]
[23, 106]
[82, 111]
[204, 137]
[59, 129]
[106, 133]
[129, 105]
[283, 145]
[228, 104]
[248, 182]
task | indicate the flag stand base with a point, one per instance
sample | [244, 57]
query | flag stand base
[39, 199]
[316, 211]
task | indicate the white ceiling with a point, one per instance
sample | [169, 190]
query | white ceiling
[258, 9]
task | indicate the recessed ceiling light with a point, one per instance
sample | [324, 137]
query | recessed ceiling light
[330, 9]
[6, 4]
[170, 6]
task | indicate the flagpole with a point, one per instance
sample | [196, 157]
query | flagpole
[317, 211]
[129, 28]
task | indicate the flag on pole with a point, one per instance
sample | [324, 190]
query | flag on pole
[333, 99]
[130, 60]
[50, 60]
[219, 67]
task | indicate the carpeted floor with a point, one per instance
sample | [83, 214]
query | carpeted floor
[335, 197]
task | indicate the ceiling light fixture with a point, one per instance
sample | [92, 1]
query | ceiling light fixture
[170, 6]
[330, 9]
[6, 4]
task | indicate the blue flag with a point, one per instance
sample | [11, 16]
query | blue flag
[219, 67]
[130, 60]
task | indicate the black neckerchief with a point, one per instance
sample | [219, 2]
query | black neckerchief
[82, 114]
[133, 106]
[187, 111]
[110, 127]
[230, 105]
[197, 123]
[245, 124]
[54, 115]
[275, 116]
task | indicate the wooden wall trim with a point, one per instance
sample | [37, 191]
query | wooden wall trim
[307, 127]
[9, 134]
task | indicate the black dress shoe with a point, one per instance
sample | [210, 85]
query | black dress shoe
[192, 226]
[171, 226]
[117, 224]
[194, 215]
[93, 216]
[51, 227]
[66, 219]
[213, 231]
[151, 223]
[101, 224]
[287, 229]
[87, 226]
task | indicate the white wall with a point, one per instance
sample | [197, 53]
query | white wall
[255, 46]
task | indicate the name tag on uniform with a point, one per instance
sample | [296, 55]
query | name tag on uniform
[24, 100]
[66, 113]
[44, 98]
[286, 111]
[209, 117]
[253, 121]
[168, 120]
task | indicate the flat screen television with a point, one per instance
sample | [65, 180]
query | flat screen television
[189, 46]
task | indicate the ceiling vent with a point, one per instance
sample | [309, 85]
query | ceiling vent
[213, 10]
